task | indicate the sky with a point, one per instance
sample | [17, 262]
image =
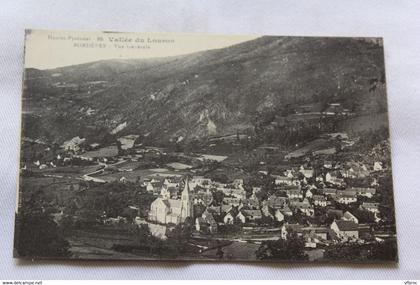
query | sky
[50, 49]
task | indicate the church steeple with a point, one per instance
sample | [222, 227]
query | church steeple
[186, 210]
[186, 192]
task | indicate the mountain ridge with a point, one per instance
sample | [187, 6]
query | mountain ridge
[206, 93]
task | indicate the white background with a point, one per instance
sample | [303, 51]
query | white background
[397, 21]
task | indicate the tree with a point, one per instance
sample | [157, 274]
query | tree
[219, 253]
[385, 251]
[218, 197]
[178, 238]
[37, 235]
[346, 252]
[143, 235]
[386, 199]
[138, 179]
[364, 216]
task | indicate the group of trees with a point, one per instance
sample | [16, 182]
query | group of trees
[377, 251]
[37, 235]
[266, 182]
[176, 244]
[291, 249]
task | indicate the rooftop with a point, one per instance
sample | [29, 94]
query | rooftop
[346, 225]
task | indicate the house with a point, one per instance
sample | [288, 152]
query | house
[159, 231]
[350, 217]
[267, 211]
[200, 181]
[328, 164]
[319, 178]
[286, 211]
[278, 215]
[310, 239]
[319, 200]
[294, 193]
[216, 211]
[305, 208]
[127, 142]
[113, 221]
[172, 182]
[246, 216]
[329, 191]
[322, 233]
[206, 223]
[229, 218]
[154, 186]
[295, 202]
[289, 173]
[333, 178]
[165, 210]
[371, 207]
[226, 208]
[336, 109]
[169, 192]
[75, 144]
[255, 190]
[232, 191]
[364, 191]
[352, 190]
[276, 202]
[315, 235]
[92, 146]
[306, 172]
[212, 225]
[287, 229]
[285, 180]
[204, 198]
[43, 166]
[346, 230]
[312, 187]
[232, 201]
[346, 198]
[377, 166]
[355, 170]
[238, 182]
[251, 204]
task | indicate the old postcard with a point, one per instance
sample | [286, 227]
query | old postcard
[198, 147]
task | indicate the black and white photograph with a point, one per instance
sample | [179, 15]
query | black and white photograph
[138, 146]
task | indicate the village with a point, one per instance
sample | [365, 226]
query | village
[322, 192]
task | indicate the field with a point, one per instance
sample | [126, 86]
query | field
[69, 171]
[132, 176]
[109, 151]
[311, 146]
[179, 166]
[365, 122]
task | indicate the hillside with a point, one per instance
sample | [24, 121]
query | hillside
[203, 94]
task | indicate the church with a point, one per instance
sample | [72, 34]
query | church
[165, 210]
